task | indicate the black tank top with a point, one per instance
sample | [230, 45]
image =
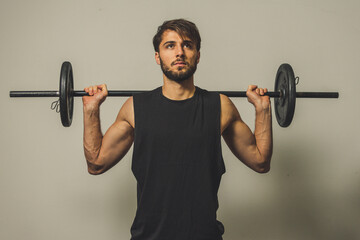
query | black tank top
[178, 164]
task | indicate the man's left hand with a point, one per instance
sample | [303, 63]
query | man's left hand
[256, 97]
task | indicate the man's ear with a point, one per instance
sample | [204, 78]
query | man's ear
[198, 57]
[157, 57]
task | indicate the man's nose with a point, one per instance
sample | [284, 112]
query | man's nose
[179, 51]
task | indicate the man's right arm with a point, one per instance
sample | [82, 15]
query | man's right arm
[103, 151]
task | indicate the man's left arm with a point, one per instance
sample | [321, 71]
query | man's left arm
[253, 149]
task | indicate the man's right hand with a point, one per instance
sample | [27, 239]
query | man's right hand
[97, 95]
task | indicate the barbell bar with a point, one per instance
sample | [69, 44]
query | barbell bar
[129, 93]
[285, 94]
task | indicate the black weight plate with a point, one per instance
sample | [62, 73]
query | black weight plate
[285, 105]
[66, 94]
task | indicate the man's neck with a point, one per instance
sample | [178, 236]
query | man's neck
[178, 90]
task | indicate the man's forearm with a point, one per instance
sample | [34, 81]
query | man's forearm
[263, 134]
[92, 133]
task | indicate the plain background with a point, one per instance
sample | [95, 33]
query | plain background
[313, 188]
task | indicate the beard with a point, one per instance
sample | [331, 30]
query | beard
[178, 76]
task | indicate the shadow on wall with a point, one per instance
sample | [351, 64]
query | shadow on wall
[301, 204]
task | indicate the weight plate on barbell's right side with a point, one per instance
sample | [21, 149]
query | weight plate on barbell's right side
[66, 94]
[285, 105]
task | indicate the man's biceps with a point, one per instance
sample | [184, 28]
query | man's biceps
[239, 133]
[120, 130]
[238, 127]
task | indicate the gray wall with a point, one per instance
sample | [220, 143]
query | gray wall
[313, 188]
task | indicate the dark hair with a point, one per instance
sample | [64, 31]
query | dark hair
[183, 27]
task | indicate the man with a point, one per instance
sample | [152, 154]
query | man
[176, 130]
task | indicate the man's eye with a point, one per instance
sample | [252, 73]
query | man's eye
[170, 46]
[188, 45]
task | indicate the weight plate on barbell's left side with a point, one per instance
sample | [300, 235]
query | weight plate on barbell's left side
[66, 94]
[285, 105]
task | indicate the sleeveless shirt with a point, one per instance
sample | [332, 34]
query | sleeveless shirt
[177, 162]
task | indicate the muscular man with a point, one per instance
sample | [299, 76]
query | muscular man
[176, 130]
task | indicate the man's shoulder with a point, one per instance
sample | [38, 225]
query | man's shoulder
[147, 93]
[207, 92]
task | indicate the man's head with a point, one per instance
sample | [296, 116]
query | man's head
[183, 27]
[177, 49]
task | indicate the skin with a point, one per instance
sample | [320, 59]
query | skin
[104, 151]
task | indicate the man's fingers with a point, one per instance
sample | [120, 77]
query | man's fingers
[103, 88]
[261, 91]
[258, 91]
[91, 90]
[252, 87]
[95, 89]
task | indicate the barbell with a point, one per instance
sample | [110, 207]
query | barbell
[285, 94]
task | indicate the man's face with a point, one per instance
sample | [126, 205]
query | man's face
[177, 57]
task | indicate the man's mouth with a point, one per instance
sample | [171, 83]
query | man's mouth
[179, 63]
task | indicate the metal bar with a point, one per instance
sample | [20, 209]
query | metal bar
[117, 93]
[34, 94]
[317, 94]
[111, 93]
[128, 93]
[243, 93]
